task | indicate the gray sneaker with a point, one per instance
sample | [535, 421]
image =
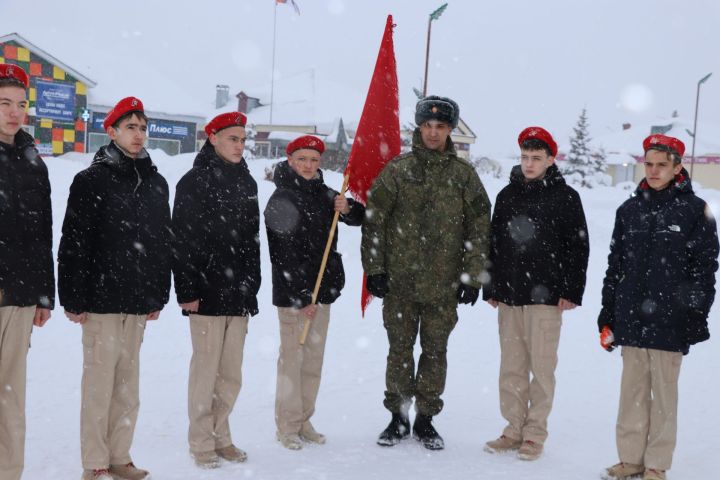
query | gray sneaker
[623, 471]
[97, 474]
[128, 472]
[206, 459]
[652, 474]
[291, 441]
[502, 444]
[308, 433]
[231, 453]
[530, 450]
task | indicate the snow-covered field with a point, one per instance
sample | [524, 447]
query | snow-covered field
[349, 409]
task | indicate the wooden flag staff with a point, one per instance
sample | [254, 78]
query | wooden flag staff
[328, 245]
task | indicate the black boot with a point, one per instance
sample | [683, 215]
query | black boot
[425, 433]
[397, 430]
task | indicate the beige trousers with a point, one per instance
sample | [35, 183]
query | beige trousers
[647, 419]
[299, 367]
[215, 378]
[110, 387]
[15, 327]
[529, 339]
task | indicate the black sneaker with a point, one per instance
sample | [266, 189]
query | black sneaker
[396, 431]
[425, 433]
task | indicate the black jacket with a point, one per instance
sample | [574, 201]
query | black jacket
[661, 267]
[216, 220]
[114, 254]
[298, 218]
[539, 243]
[27, 275]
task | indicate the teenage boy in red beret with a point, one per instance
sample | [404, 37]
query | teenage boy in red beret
[538, 259]
[27, 281]
[114, 275]
[216, 221]
[657, 294]
[298, 217]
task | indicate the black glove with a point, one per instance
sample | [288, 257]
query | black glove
[697, 327]
[467, 294]
[377, 285]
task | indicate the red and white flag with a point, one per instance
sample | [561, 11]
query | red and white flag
[292, 2]
[377, 140]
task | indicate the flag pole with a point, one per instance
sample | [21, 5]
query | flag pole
[272, 73]
[328, 245]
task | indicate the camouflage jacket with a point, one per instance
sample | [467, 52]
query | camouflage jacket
[427, 225]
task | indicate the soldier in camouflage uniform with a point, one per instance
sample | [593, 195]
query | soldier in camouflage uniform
[424, 248]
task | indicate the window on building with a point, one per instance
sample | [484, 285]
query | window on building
[262, 149]
[171, 147]
[96, 140]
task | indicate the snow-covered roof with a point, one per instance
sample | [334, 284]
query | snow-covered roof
[303, 98]
[42, 53]
[332, 137]
[629, 142]
[616, 158]
[110, 80]
[287, 136]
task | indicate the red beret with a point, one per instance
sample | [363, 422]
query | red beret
[306, 141]
[126, 105]
[8, 70]
[538, 133]
[671, 143]
[225, 120]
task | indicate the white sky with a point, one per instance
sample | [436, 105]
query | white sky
[508, 63]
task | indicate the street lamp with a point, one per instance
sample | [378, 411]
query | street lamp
[433, 16]
[694, 134]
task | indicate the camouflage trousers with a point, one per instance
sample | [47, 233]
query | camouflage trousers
[403, 321]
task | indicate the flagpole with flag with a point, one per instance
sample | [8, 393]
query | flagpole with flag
[377, 141]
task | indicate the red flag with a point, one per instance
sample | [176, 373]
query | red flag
[292, 2]
[377, 140]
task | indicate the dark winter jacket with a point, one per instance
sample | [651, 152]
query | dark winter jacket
[114, 254]
[660, 281]
[298, 218]
[216, 221]
[26, 261]
[539, 247]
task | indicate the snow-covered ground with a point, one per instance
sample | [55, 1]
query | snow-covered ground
[349, 409]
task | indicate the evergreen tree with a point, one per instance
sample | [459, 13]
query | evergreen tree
[584, 166]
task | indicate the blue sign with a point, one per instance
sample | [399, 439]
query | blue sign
[160, 129]
[155, 129]
[97, 121]
[55, 101]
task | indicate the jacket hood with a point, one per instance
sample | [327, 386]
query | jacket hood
[23, 144]
[111, 156]
[552, 178]
[681, 184]
[285, 177]
[23, 140]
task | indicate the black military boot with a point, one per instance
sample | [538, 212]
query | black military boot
[397, 430]
[425, 433]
